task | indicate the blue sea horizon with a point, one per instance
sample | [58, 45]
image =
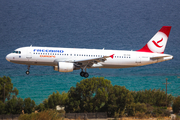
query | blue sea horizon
[120, 25]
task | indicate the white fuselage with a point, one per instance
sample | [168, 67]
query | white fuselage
[50, 56]
[69, 59]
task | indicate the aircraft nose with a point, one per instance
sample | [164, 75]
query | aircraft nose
[8, 57]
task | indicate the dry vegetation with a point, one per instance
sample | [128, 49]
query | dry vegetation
[44, 115]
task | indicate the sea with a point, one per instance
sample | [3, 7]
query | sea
[92, 24]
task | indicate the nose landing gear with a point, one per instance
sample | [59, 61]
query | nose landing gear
[27, 72]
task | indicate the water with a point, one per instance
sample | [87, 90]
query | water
[126, 25]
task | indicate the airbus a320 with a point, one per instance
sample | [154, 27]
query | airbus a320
[69, 59]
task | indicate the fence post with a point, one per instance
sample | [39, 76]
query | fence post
[85, 116]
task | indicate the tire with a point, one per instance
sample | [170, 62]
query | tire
[27, 72]
[82, 74]
[86, 74]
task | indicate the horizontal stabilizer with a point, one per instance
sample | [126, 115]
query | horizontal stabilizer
[168, 57]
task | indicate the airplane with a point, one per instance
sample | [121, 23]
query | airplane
[69, 59]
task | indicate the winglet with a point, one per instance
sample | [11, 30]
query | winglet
[111, 56]
[158, 42]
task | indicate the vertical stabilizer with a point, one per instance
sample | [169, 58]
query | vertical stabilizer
[158, 42]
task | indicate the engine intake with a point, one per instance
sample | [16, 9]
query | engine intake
[64, 67]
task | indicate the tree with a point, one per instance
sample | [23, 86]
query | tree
[176, 105]
[119, 100]
[155, 97]
[90, 95]
[14, 106]
[40, 107]
[2, 108]
[20, 105]
[45, 103]
[136, 109]
[56, 99]
[29, 105]
[5, 84]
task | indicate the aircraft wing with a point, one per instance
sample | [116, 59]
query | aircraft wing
[95, 60]
[90, 62]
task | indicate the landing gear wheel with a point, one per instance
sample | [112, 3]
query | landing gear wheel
[27, 72]
[82, 74]
[86, 74]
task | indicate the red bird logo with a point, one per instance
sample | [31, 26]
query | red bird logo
[156, 43]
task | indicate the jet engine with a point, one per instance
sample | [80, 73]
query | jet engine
[64, 67]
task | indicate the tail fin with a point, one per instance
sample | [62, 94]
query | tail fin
[158, 42]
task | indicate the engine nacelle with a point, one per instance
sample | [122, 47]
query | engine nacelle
[64, 67]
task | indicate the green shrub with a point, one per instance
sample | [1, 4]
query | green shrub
[29, 105]
[158, 112]
[40, 107]
[176, 104]
[140, 107]
[2, 107]
[54, 100]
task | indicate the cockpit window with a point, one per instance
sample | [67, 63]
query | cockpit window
[18, 52]
[15, 52]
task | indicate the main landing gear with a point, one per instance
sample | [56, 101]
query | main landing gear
[27, 72]
[84, 74]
